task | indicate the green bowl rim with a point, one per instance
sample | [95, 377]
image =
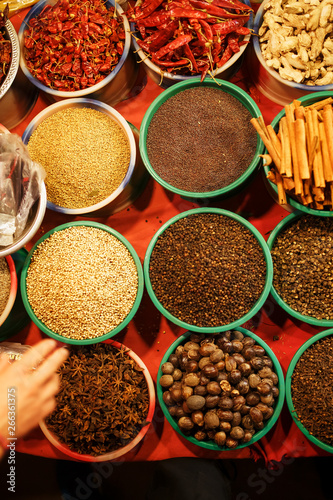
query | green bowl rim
[296, 357]
[256, 306]
[289, 219]
[307, 99]
[121, 325]
[210, 444]
[225, 86]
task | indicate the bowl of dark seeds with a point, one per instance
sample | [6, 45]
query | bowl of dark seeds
[301, 249]
[105, 404]
[8, 287]
[90, 155]
[208, 270]
[82, 282]
[309, 389]
[222, 391]
[196, 139]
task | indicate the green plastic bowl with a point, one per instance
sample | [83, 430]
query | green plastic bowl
[289, 400]
[226, 87]
[121, 325]
[210, 444]
[256, 306]
[290, 219]
[292, 204]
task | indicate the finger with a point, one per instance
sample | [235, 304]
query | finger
[49, 395]
[4, 362]
[37, 353]
[50, 365]
[48, 408]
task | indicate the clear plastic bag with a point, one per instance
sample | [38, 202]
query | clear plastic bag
[20, 186]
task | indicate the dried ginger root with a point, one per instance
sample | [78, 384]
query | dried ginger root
[296, 39]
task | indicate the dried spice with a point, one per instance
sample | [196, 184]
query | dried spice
[71, 46]
[81, 282]
[103, 400]
[302, 266]
[220, 387]
[201, 140]
[207, 269]
[5, 46]
[311, 389]
[5, 284]
[85, 154]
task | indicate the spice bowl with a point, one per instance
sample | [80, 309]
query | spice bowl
[295, 203]
[208, 270]
[8, 287]
[99, 287]
[17, 94]
[216, 407]
[114, 433]
[171, 148]
[164, 78]
[106, 186]
[299, 246]
[115, 87]
[307, 393]
[268, 80]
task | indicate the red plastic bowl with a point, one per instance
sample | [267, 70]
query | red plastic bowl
[125, 449]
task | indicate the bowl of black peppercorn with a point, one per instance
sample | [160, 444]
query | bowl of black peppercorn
[309, 389]
[301, 248]
[222, 391]
[208, 270]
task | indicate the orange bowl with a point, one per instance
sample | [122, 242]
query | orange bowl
[120, 451]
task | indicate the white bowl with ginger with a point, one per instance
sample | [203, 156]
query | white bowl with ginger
[293, 52]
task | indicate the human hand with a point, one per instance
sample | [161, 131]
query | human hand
[32, 382]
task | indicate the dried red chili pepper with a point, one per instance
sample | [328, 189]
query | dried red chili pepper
[172, 46]
[206, 22]
[84, 44]
[228, 26]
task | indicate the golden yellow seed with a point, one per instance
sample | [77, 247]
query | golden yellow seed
[81, 282]
[85, 154]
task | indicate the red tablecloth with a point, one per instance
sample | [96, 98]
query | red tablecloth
[149, 334]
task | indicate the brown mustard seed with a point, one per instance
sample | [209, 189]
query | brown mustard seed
[85, 154]
[5, 284]
[200, 140]
[81, 282]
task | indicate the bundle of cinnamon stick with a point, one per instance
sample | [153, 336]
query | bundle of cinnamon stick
[300, 153]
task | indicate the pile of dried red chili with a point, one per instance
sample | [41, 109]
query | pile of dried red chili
[190, 36]
[73, 45]
[5, 46]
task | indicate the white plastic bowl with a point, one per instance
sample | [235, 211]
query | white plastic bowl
[165, 79]
[267, 80]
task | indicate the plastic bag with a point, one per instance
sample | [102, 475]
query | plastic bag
[20, 186]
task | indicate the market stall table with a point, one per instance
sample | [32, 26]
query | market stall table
[149, 334]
